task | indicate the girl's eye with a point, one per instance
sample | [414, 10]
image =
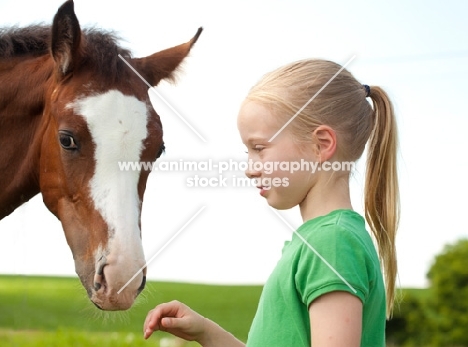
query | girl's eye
[256, 148]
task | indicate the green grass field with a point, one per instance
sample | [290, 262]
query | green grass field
[54, 311]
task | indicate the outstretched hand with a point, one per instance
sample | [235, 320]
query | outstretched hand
[180, 320]
[176, 318]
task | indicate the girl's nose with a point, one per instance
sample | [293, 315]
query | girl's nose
[250, 172]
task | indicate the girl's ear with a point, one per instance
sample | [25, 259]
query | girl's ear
[325, 141]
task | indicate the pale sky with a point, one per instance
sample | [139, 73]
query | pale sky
[417, 51]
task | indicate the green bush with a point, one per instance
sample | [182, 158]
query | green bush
[449, 301]
[440, 317]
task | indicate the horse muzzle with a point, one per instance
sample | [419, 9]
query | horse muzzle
[110, 291]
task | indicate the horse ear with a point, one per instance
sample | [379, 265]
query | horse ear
[163, 64]
[66, 38]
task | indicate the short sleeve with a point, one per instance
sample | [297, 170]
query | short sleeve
[331, 258]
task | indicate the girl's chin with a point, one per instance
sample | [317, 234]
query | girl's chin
[277, 204]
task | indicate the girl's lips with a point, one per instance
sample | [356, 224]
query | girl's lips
[263, 190]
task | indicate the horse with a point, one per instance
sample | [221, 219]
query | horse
[70, 111]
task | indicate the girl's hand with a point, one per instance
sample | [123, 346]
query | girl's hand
[181, 321]
[177, 319]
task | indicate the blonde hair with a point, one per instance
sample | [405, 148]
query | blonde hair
[342, 105]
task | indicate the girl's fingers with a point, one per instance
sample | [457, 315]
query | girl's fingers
[152, 323]
[159, 313]
[147, 319]
[174, 323]
[147, 333]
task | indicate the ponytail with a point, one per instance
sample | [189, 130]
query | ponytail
[381, 194]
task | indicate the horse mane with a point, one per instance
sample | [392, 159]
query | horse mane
[32, 40]
[101, 47]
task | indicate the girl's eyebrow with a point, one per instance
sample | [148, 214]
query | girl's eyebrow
[256, 139]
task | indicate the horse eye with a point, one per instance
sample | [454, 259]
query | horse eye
[161, 150]
[67, 142]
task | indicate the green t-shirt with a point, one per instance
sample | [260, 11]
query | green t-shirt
[341, 238]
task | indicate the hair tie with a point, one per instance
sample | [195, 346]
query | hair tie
[367, 88]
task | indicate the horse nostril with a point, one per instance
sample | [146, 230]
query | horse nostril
[98, 281]
[99, 276]
[142, 286]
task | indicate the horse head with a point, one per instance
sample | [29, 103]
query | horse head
[97, 113]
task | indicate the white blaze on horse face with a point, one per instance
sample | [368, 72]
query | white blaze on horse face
[118, 126]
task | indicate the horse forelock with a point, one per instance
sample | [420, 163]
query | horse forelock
[101, 52]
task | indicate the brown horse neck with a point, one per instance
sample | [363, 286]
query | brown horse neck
[23, 84]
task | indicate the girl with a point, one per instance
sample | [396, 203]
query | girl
[327, 289]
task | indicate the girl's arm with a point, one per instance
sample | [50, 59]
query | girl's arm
[180, 320]
[336, 320]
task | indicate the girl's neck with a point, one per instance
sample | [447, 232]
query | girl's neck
[326, 196]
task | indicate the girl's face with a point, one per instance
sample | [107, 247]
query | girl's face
[275, 165]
